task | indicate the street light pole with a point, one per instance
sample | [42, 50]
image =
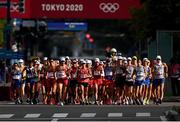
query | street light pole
[8, 19]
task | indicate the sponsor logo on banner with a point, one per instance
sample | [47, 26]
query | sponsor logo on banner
[109, 7]
[14, 7]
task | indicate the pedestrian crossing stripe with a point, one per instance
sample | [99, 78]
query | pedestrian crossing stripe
[143, 114]
[32, 115]
[6, 116]
[115, 114]
[88, 115]
[60, 115]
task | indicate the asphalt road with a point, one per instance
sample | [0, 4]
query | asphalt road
[84, 112]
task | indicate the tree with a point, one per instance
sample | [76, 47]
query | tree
[155, 15]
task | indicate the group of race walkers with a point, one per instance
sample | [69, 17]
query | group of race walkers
[116, 80]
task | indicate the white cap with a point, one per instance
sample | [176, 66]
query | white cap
[125, 62]
[113, 50]
[145, 59]
[129, 58]
[124, 58]
[67, 57]
[89, 62]
[37, 62]
[134, 57]
[45, 58]
[97, 60]
[158, 57]
[120, 58]
[62, 59]
[83, 62]
[21, 61]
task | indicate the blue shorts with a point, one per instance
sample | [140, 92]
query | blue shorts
[146, 82]
[158, 81]
[16, 83]
[31, 81]
[139, 82]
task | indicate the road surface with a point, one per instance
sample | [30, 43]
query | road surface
[55, 113]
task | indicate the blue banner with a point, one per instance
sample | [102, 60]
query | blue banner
[67, 26]
[7, 54]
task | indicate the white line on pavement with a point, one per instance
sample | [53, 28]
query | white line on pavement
[115, 114]
[6, 115]
[59, 115]
[32, 115]
[88, 115]
[143, 114]
[163, 118]
[54, 120]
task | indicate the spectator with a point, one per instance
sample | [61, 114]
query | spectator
[175, 75]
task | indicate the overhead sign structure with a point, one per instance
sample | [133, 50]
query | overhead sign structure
[67, 26]
[81, 9]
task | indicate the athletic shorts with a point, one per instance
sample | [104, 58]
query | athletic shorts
[73, 83]
[157, 82]
[91, 83]
[119, 82]
[108, 82]
[50, 82]
[146, 82]
[84, 84]
[31, 81]
[16, 83]
[63, 81]
[98, 81]
[129, 83]
[139, 82]
[43, 82]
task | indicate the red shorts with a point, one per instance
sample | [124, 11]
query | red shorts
[91, 83]
[86, 80]
[50, 82]
[63, 81]
[98, 81]
[108, 82]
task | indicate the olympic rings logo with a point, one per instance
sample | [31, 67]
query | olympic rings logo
[109, 7]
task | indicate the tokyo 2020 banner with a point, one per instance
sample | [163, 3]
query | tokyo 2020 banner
[85, 9]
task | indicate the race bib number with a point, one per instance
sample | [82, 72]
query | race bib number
[50, 74]
[119, 72]
[140, 74]
[109, 73]
[61, 74]
[17, 77]
[83, 76]
[29, 75]
[74, 76]
[97, 73]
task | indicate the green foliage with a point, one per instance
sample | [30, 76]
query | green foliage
[155, 15]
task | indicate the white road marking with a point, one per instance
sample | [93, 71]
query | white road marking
[115, 114]
[88, 115]
[32, 115]
[54, 120]
[143, 114]
[60, 115]
[163, 118]
[6, 115]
